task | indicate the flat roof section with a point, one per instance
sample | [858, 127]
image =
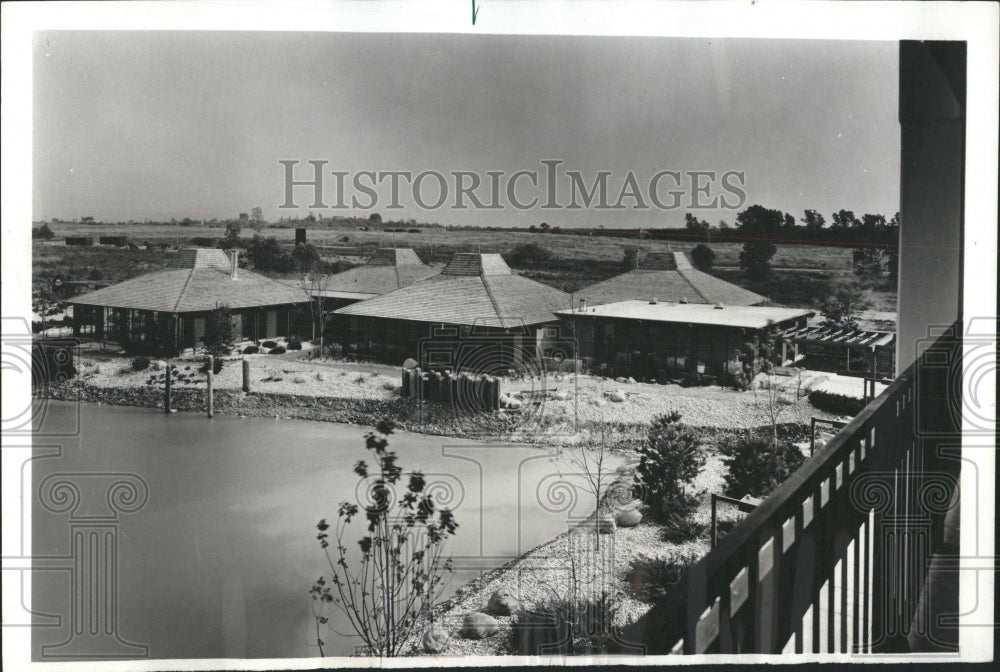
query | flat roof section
[746, 317]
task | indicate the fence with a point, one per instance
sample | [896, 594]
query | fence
[834, 560]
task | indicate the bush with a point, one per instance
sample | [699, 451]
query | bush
[702, 257]
[140, 363]
[277, 351]
[835, 403]
[651, 578]
[756, 466]
[669, 460]
[218, 338]
[679, 529]
[251, 350]
[528, 254]
[216, 366]
[294, 342]
[43, 232]
[562, 626]
[269, 344]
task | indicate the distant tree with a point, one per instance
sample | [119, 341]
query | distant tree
[760, 225]
[232, 237]
[695, 226]
[267, 255]
[257, 217]
[533, 228]
[87, 220]
[789, 224]
[244, 216]
[95, 274]
[375, 218]
[306, 256]
[42, 232]
[187, 221]
[219, 337]
[544, 227]
[844, 219]
[723, 225]
[702, 257]
[814, 222]
[310, 218]
[846, 301]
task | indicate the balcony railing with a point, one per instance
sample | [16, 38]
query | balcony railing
[834, 560]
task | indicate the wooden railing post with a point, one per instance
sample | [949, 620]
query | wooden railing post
[246, 376]
[210, 376]
[166, 388]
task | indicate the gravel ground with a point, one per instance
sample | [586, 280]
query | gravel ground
[544, 572]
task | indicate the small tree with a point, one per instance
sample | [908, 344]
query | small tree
[218, 338]
[232, 237]
[846, 301]
[702, 257]
[593, 462]
[392, 590]
[668, 462]
[306, 256]
[43, 232]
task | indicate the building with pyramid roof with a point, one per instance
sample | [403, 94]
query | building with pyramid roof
[385, 271]
[168, 307]
[668, 276]
[475, 308]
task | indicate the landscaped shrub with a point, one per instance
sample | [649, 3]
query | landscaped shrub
[294, 342]
[679, 529]
[669, 460]
[140, 363]
[269, 344]
[562, 626]
[702, 257]
[277, 351]
[835, 403]
[651, 578]
[251, 350]
[216, 366]
[756, 466]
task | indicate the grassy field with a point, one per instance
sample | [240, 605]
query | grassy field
[577, 261]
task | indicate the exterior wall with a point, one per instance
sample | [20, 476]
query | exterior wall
[442, 346]
[660, 349]
[932, 121]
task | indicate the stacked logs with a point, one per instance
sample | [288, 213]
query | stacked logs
[469, 391]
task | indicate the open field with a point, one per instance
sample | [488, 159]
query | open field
[441, 241]
[577, 261]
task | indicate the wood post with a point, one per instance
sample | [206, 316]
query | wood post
[246, 376]
[166, 389]
[211, 375]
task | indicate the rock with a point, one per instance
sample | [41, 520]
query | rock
[158, 365]
[630, 380]
[560, 395]
[617, 396]
[507, 401]
[621, 379]
[502, 603]
[388, 385]
[628, 518]
[435, 639]
[478, 625]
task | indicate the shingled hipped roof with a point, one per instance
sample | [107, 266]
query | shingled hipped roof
[386, 271]
[668, 276]
[196, 280]
[473, 289]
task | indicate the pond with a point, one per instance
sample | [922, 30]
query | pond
[218, 559]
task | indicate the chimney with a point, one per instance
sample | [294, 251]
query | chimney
[583, 305]
[236, 262]
[653, 302]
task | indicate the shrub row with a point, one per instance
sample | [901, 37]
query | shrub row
[835, 403]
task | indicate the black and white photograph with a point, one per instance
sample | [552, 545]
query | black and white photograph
[491, 333]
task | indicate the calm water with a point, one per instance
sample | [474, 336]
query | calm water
[219, 560]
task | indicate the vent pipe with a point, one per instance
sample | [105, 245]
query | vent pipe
[236, 262]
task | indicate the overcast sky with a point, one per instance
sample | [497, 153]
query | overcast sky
[160, 125]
